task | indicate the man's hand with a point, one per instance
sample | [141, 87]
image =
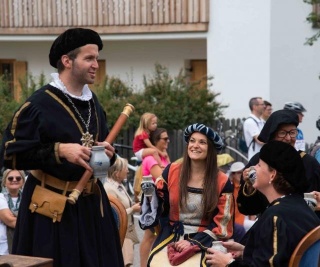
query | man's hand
[76, 154]
[109, 149]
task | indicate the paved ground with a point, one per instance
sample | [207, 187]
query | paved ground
[136, 262]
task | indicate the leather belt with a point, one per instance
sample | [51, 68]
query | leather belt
[65, 186]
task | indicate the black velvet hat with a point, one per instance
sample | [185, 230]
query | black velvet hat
[70, 40]
[274, 121]
[286, 159]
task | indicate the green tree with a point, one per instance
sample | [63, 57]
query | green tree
[314, 19]
[7, 104]
[176, 101]
[113, 95]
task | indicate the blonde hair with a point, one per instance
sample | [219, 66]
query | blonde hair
[144, 123]
[6, 174]
[118, 165]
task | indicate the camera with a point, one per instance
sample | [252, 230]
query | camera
[252, 175]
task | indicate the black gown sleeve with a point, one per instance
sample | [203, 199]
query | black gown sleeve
[254, 203]
[22, 146]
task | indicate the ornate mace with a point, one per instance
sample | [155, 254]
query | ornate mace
[99, 165]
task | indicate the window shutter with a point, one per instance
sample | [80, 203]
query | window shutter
[19, 75]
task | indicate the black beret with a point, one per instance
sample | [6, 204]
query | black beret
[201, 128]
[286, 159]
[70, 40]
[275, 120]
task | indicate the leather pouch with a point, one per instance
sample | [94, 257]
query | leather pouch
[48, 203]
[176, 258]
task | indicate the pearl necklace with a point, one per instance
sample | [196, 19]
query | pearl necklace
[87, 138]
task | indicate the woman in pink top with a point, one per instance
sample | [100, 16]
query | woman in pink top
[160, 139]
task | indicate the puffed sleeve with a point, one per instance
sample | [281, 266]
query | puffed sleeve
[22, 147]
[163, 192]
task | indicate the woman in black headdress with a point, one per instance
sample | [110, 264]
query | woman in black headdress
[287, 219]
[281, 126]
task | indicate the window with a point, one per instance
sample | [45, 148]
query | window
[12, 72]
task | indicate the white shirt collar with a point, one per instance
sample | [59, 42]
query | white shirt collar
[86, 92]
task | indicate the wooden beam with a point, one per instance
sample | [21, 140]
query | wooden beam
[165, 28]
[18, 14]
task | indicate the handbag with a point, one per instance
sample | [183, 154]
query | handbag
[132, 234]
[48, 203]
[175, 257]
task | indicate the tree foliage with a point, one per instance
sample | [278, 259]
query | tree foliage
[314, 19]
[7, 104]
[175, 100]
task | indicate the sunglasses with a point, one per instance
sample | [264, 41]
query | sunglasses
[18, 178]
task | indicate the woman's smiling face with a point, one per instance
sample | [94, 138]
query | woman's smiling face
[198, 146]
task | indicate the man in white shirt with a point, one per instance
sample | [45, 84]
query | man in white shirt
[267, 111]
[253, 125]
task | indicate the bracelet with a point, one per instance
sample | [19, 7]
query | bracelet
[244, 189]
[229, 262]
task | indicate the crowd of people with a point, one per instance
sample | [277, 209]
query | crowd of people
[191, 212]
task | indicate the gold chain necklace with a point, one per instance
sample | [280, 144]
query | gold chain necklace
[87, 138]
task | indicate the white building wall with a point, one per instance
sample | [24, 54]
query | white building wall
[295, 67]
[256, 48]
[253, 48]
[238, 49]
[128, 59]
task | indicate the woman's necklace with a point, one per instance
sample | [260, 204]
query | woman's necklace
[87, 138]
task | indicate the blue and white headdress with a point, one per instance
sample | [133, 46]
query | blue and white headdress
[207, 131]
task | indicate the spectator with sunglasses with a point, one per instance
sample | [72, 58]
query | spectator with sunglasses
[160, 139]
[10, 196]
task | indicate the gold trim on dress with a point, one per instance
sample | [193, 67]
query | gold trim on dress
[275, 240]
[162, 244]
[67, 109]
[85, 136]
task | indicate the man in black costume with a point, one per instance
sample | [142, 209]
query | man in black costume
[52, 134]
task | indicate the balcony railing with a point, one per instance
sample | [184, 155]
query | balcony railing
[105, 16]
